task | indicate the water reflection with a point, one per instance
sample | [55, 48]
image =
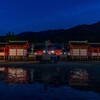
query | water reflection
[17, 75]
[78, 77]
[13, 75]
[50, 77]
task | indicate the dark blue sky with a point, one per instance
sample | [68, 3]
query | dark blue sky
[37, 15]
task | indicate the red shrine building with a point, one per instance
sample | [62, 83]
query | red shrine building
[94, 50]
[84, 50]
[78, 49]
[17, 48]
[13, 49]
[3, 50]
[74, 50]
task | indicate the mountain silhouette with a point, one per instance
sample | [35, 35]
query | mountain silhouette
[80, 32]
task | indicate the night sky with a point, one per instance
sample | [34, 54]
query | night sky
[37, 15]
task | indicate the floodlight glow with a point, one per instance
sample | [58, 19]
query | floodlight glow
[65, 53]
[35, 53]
[52, 51]
[44, 51]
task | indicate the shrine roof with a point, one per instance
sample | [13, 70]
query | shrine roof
[3, 44]
[17, 42]
[94, 45]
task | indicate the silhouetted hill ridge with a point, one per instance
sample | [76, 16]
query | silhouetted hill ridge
[80, 32]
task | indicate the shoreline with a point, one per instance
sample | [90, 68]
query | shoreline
[18, 62]
[37, 62]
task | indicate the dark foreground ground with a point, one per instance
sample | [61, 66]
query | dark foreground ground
[33, 81]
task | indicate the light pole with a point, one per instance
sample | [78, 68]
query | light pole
[46, 47]
[32, 49]
[63, 49]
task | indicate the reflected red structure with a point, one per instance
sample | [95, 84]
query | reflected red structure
[17, 75]
[78, 77]
[14, 75]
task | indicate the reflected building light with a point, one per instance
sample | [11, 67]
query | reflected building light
[17, 75]
[78, 77]
[2, 68]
